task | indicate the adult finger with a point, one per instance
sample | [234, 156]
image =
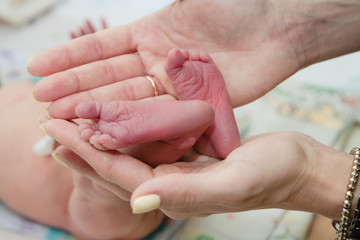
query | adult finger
[113, 166]
[131, 89]
[76, 163]
[89, 48]
[89, 76]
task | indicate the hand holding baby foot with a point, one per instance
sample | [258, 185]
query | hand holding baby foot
[122, 56]
[179, 124]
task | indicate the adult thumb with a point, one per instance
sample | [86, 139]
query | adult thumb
[180, 195]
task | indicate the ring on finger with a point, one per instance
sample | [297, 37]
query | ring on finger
[156, 91]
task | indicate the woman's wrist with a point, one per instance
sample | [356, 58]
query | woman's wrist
[328, 175]
[317, 30]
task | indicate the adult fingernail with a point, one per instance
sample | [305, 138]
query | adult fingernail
[146, 203]
[48, 113]
[43, 129]
[29, 68]
[59, 159]
[33, 96]
[43, 118]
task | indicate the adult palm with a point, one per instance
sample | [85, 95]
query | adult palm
[252, 51]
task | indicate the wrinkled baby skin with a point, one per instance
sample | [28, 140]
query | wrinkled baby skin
[195, 76]
[161, 130]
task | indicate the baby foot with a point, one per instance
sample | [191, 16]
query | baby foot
[125, 123]
[195, 76]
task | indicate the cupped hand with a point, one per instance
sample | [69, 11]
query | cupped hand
[287, 170]
[253, 176]
[243, 37]
[268, 171]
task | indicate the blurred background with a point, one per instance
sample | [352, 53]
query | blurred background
[321, 101]
[27, 27]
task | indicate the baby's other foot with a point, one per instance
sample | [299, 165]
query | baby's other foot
[195, 76]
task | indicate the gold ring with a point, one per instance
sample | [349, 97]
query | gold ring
[156, 92]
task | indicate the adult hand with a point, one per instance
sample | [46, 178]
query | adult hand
[287, 170]
[243, 37]
[292, 174]
[97, 213]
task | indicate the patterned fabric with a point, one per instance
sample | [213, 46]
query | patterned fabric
[259, 225]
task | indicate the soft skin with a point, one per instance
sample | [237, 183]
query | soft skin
[161, 130]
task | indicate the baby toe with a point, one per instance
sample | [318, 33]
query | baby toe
[109, 142]
[94, 140]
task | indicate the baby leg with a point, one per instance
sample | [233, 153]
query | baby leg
[195, 76]
[125, 123]
[43, 190]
